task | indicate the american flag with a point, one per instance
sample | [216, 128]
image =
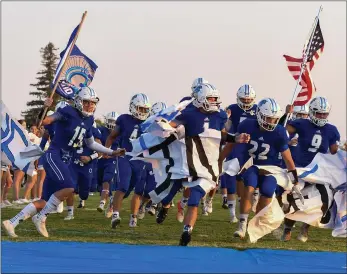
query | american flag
[294, 65]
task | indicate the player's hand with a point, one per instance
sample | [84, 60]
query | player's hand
[297, 191]
[48, 102]
[289, 109]
[85, 159]
[118, 152]
[293, 142]
[242, 138]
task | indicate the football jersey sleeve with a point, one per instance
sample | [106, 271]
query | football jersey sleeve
[282, 141]
[96, 133]
[120, 123]
[66, 112]
[242, 127]
[297, 124]
[181, 119]
[89, 133]
[334, 137]
[224, 118]
[58, 116]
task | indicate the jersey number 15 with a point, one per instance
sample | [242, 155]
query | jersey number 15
[77, 138]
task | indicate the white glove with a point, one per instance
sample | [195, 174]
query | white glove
[297, 191]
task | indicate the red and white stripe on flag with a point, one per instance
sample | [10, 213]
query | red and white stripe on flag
[307, 86]
[306, 83]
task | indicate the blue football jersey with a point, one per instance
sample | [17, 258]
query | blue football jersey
[238, 115]
[129, 127]
[195, 121]
[186, 98]
[105, 132]
[84, 150]
[265, 146]
[294, 149]
[313, 139]
[71, 129]
[50, 129]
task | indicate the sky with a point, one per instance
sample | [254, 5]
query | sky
[159, 48]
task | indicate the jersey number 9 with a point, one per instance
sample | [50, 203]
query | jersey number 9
[315, 143]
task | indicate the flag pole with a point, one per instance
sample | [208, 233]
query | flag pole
[303, 65]
[60, 72]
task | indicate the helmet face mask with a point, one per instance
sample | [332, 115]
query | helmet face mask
[110, 119]
[268, 114]
[266, 122]
[85, 101]
[319, 110]
[110, 124]
[246, 97]
[298, 115]
[207, 98]
[140, 106]
[300, 112]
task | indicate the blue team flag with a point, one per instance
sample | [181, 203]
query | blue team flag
[16, 148]
[79, 70]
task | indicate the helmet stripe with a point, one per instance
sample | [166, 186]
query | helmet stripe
[274, 106]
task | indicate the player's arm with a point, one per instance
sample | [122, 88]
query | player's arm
[290, 129]
[289, 110]
[234, 138]
[334, 142]
[52, 118]
[333, 148]
[113, 135]
[226, 151]
[91, 157]
[228, 123]
[180, 130]
[176, 123]
[288, 160]
[48, 119]
[92, 144]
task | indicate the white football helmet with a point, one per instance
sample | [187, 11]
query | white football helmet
[197, 82]
[246, 97]
[85, 94]
[203, 93]
[61, 104]
[267, 110]
[320, 106]
[110, 119]
[299, 112]
[140, 106]
[157, 107]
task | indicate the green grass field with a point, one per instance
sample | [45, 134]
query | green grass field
[213, 230]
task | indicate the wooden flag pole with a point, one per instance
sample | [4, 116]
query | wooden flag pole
[63, 66]
[303, 65]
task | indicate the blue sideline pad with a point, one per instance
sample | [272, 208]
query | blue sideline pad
[73, 257]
